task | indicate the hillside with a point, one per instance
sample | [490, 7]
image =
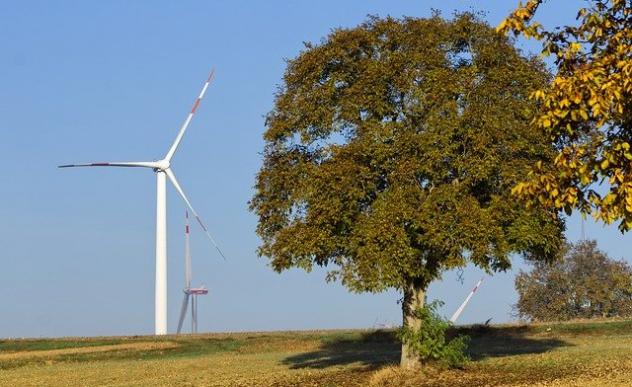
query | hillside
[584, 353]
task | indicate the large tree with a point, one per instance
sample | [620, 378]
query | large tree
[585, 283]
[390, 154]
[586, 111]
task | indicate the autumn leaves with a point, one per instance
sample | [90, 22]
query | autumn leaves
[585, 111]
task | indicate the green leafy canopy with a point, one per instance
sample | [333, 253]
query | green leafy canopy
[391, 151]
[585, 283]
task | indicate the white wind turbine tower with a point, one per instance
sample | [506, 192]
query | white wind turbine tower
[162, 168]
[190, 294]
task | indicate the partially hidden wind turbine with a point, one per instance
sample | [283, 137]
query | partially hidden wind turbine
[162, 168]
[458, 312]
[190, 294]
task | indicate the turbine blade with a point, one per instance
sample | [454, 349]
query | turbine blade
[174, 181]
[183, 311]
[187, 121]
[132, 164]
[187, 251]
[458, 312]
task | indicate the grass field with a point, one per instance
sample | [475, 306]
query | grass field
[575, 354]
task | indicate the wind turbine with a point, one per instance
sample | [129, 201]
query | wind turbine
[190, 294]
[458, 312]
[163, 170]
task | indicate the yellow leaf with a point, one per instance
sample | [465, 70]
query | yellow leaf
[501, 26]
[617, 94]
[583, 114]
[585, 179]
[546, 123]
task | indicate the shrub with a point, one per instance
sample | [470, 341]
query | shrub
[429, 340]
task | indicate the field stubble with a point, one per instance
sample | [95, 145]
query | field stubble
[577, 354]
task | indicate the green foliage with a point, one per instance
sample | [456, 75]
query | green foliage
[428, 340]
[585, 283]
[391, 151]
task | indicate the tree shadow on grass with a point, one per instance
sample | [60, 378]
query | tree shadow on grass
[373, 350]
[489, 341]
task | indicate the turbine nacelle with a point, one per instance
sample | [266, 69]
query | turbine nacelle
[162, 165]
[197, 291]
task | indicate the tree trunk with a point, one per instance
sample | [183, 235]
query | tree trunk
[414, 297]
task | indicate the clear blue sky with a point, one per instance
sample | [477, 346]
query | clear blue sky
[94, 81]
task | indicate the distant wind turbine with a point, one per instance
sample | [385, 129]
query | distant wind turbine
[190, 294]
[162, 168]
[458, 312]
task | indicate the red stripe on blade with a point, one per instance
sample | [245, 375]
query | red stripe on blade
[195, 105]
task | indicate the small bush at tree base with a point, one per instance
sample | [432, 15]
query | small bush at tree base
[429, 341]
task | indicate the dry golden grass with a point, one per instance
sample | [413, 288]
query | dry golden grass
[579, 354]
[139, 346]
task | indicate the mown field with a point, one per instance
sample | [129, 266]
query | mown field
[574, 354]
